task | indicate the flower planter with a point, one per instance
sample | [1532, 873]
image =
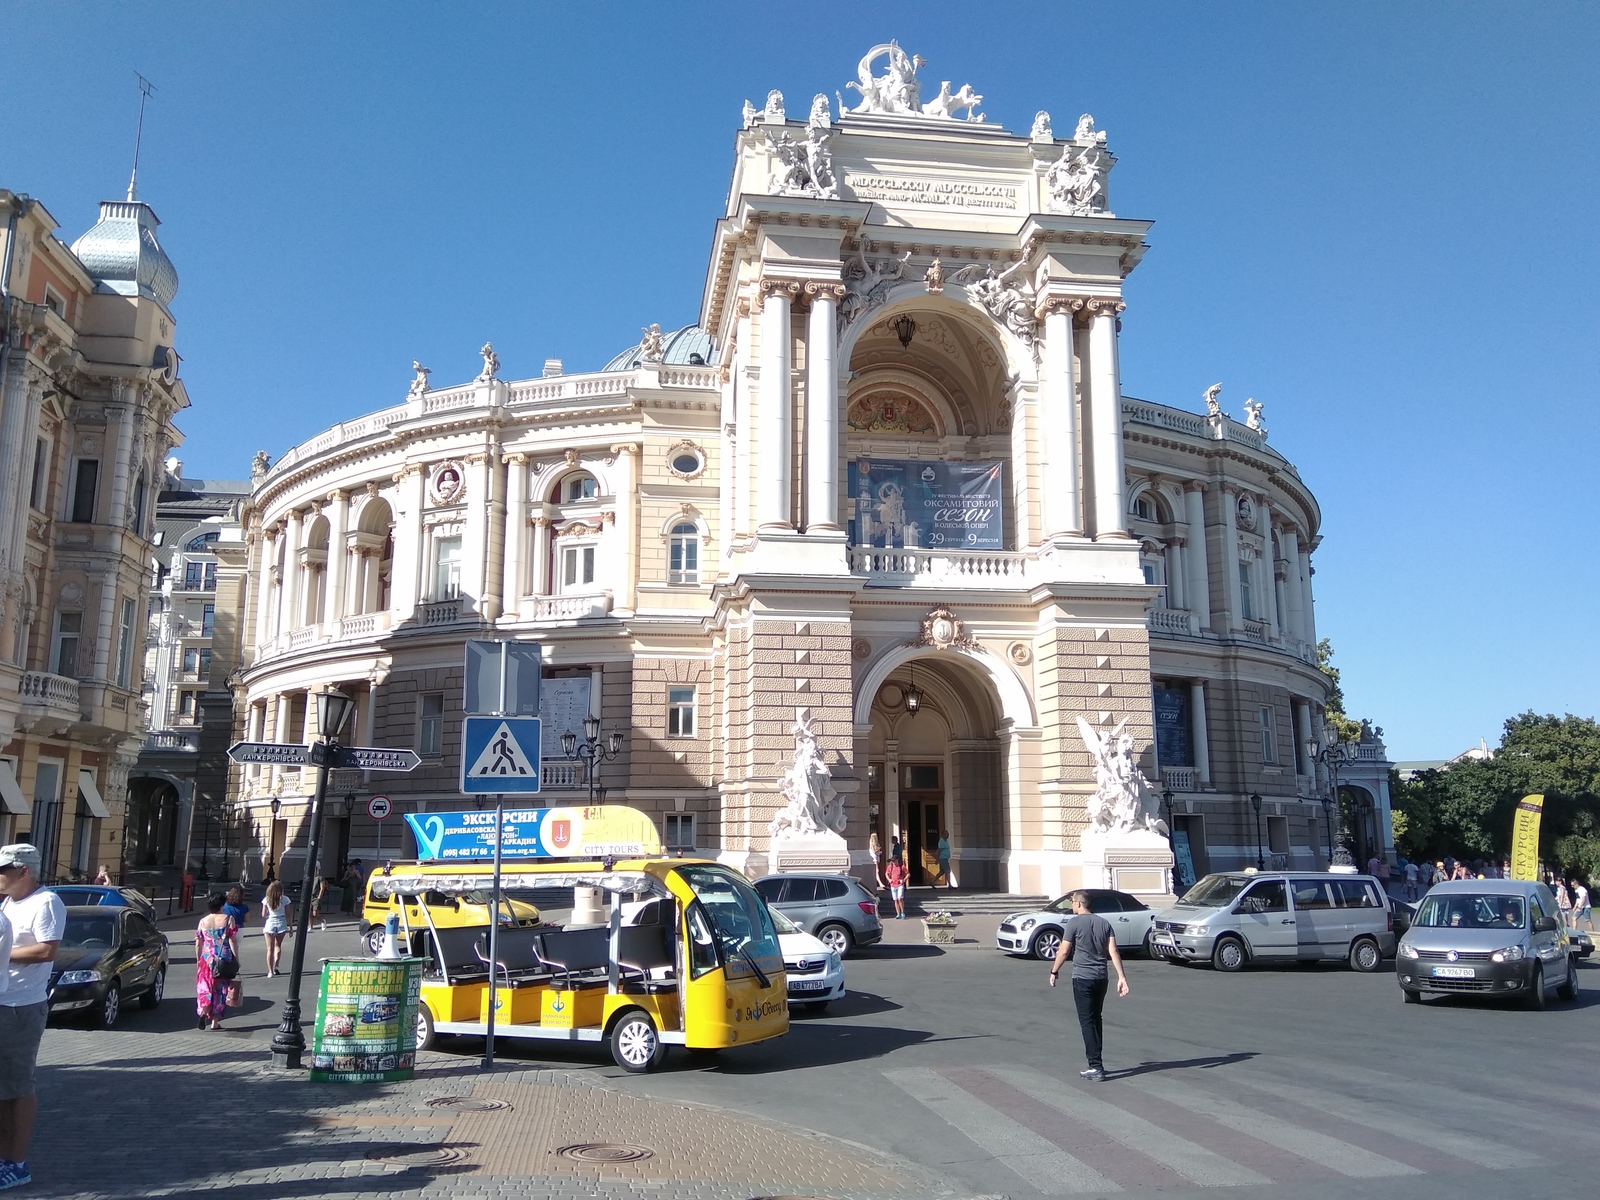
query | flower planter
[938, 932]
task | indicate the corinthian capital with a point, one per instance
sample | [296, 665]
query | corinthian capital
[1071, 305]
[786, 287]
[818, 289]
[1103, 306]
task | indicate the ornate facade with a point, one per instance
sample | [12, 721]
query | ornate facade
[887, 486]
[88, 390]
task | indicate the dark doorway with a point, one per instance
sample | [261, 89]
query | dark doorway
[922, 803]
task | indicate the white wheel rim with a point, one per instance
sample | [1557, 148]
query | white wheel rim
[160, 985]
[1230, 954]
[1048, 945]
[835, 940]
[1366, 954]
[636, 1042]
[113, 1006]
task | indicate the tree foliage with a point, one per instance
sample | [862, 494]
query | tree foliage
[1465, 808]
[1333, 708]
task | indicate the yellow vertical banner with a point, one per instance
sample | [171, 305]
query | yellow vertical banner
[1525, 838]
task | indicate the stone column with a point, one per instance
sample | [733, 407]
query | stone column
[1293, 594]
[494, 550]
[1202, 741]
[775, 442]
[627, 528]
[1105, 399]
[404, 587]
[1268, 572]
[1307, 604]
[1302, 733]
[515, 582]
[822, 409]
[1199, 579]
[1234, 618]
[475, 533]
[541, 556]
[19, 423]
[333, 606]
[744, 431]
[271, 587]
[1063, 515]
[291, 575]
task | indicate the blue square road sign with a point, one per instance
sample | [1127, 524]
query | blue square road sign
[500, 754]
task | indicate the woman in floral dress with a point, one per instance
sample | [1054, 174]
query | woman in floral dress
[216, 940]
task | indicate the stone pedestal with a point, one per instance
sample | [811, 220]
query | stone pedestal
[1136, 861]
[813, 852]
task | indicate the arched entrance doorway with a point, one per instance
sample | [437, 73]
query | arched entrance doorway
[937, 767]
[152, 829]
[1359, 809]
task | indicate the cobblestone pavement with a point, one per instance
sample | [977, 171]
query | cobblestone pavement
[126, 1114]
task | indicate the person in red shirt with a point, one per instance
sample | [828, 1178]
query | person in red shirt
[895, 873]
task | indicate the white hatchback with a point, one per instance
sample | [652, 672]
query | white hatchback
[1039, 933]
[815, 973]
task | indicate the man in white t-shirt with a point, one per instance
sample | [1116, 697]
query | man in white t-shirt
[37, 919]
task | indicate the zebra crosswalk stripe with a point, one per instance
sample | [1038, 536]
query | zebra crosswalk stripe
[1326, 1151]
[1043, 1164]
[1388, 1120]
[1189, 1159]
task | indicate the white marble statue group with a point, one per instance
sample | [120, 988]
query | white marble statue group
[898, 91]
[1123, 799]
[813, 805]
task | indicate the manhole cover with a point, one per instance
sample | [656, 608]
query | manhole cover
[469, 1104]
[605, 1152]
[413, 1154]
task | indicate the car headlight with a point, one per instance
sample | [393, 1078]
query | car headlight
[1027, 925]
[1408, 951]
[78, 977]
[833, 960]
[1509, 954]
[1193, 930]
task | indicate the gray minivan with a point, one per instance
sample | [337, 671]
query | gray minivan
[1236, 917]
[1488, 937]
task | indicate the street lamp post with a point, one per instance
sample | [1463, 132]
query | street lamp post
[289, 1043]
[592, 752]
[1255, 803]
[272, 863]
[1333, 753]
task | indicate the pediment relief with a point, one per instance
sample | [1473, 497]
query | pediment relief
[891, 412]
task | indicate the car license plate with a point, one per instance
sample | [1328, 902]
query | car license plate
[809, 985]
[1454, 973]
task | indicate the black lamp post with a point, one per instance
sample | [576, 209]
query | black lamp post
[1332, 753]
[333, 711]
[1255, 803]
[592, 752]
[272, 863]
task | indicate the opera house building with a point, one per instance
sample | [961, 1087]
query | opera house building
[886, 480]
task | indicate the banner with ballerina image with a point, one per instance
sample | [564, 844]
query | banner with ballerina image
[933, 505]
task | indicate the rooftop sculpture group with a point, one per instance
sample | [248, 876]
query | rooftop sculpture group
[898, 91]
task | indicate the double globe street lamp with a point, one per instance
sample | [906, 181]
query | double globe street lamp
[592, 752]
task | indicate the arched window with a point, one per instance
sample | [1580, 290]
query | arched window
[1147, 506]
[683, 558]
[576, 488]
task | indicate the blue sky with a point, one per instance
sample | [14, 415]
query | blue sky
[1379, 220]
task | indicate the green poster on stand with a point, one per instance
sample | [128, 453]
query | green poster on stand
[366, 1028]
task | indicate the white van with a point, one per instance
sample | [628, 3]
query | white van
[1237, 917]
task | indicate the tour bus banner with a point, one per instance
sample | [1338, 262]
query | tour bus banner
[366, 1028]
[1525, 837]
[585, 832]
[940, 505]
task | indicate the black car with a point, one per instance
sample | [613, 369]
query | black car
[107, 957]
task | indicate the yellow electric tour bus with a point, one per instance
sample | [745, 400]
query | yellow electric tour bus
[683, 953]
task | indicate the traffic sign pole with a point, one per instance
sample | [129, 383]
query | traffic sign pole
[494, 929]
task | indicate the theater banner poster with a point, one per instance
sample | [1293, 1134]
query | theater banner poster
[938, 505]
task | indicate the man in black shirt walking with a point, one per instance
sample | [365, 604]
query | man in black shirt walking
[1096, 945]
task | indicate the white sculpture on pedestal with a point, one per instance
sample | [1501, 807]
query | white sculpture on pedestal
[898, 92]
[814, 805]
[1124, 800]
[1077, 180]
[419, 382]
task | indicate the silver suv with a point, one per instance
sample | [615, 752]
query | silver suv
[1489, 937]
[834, 909]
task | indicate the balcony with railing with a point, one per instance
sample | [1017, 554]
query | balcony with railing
[1170, 620]
[1178, 779]
[571, 607]
[917, 567]
[172, 741]
[48, 695]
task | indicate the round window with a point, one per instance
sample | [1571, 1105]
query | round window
[686, 462]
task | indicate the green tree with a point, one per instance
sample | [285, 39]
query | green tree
[1333, 707]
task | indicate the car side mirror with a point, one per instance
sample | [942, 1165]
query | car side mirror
[133, 943]
[1544, 925]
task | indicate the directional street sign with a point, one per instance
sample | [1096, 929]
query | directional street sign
[374, 758]
[379, 807]
[500, 754]
[282, 754]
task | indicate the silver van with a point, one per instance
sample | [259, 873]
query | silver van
[1489, 937]
[1237, 917]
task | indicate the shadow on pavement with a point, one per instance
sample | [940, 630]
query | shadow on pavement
[1183, 1064]
[889, 950]
[818, 1044]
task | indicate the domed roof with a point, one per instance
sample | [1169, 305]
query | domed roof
[122, 253]
[680, 348]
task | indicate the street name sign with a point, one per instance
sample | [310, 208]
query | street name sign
[500, 755]
[375, 758]
[288, 754]
[379, 807]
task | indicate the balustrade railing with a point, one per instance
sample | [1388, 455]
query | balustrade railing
[972, 568]
[170, 740]
[51, 691]
[1169, 620]
[1178, 779]
[556, 773]
[571, 608]
[441, 612]
[1256, 631]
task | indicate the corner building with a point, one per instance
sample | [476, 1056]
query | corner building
[888, 478]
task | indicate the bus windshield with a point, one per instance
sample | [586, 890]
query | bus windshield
[739, 916]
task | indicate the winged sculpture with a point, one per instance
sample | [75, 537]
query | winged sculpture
[1123, 799]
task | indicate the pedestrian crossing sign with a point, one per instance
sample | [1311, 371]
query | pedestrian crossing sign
[500, 754]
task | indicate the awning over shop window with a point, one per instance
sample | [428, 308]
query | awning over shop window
[11, 798]
[91, 795]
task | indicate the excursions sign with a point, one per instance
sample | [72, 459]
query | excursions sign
[927, 504]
